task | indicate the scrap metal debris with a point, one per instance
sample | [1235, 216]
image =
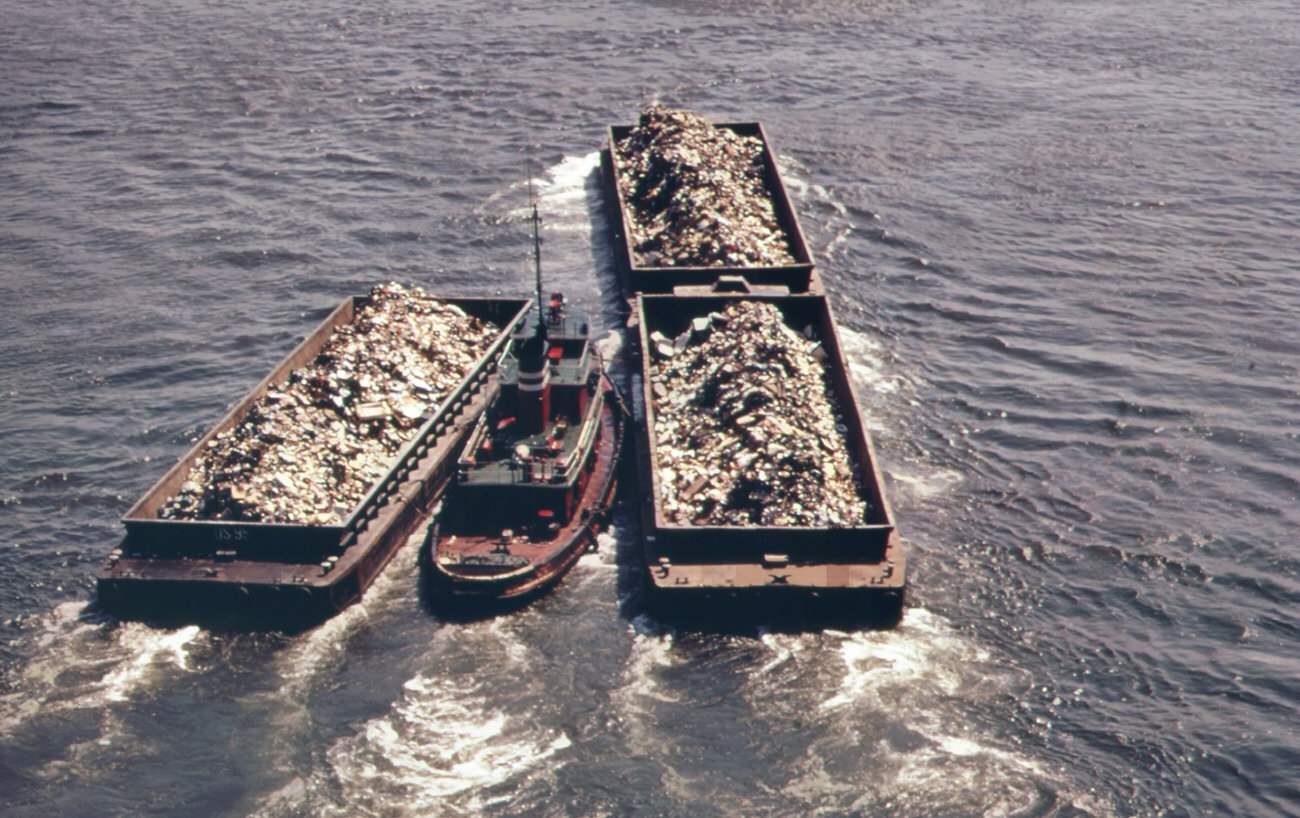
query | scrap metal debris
[311, 449]
[697, 194]
[747, 426]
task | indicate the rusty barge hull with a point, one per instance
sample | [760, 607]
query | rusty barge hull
[286, 573]
[238, 590]
[769, 573]
[799, 277]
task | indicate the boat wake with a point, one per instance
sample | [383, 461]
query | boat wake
[320, 650]
[447, 746]
[894, 716]
[929, 485]
[81, 662]
[873, 722]
[642, 689]
[601, 561]
[832, 217]
[86, 674]
[564, 193]
[877, 387]
[881, 392]
[651, 653]
[574, 229]
[923, 653]
[311, 660]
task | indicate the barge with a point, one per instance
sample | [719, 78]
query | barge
[291, 573]
[853, 569]
[799, 275]
[768, 567]
[535, 481]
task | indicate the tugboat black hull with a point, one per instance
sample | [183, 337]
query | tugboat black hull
[481, 587]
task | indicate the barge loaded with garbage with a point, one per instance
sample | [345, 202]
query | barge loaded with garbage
[291, 505]
[761, 495]
[689, 201]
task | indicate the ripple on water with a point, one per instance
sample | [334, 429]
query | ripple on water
[1063, 232]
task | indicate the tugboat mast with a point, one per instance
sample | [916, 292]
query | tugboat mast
[537, 253]
[534, 394]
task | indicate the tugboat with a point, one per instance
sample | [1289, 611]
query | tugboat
[537, 475]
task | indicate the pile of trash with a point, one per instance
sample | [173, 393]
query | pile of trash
[312, 448]
[697, 195]
[747, 427]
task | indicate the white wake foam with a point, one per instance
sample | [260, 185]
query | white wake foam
[80, 664]
[146, 648]
[641, 688]
[867, 370]
[563, 192]
[610, 345]
[930, 485]
[439, 742]
[809, 197]
[314, 653]
[650, 653]
[445, 746]
[921, 653]
[603, 561]
[898, 704]
[784, 647]
[561, 195]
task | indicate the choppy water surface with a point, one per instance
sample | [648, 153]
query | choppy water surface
[1061, 238]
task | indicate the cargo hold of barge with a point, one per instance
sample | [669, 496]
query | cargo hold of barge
[798, 276]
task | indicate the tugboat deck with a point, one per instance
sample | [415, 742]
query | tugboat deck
[505, 472]
[535, 547]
